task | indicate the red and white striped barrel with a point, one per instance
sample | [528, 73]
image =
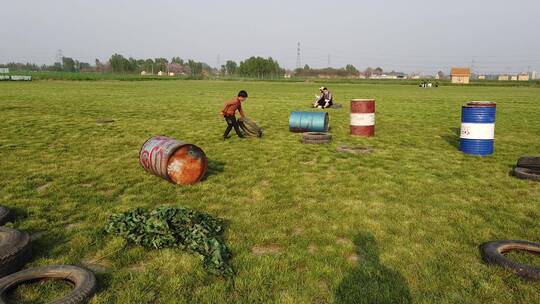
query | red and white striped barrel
[363, 117]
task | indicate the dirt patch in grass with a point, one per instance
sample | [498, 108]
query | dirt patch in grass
[353, 258]
[312, 248]
[342, 241]
[97, 266]
[42, 188]
[271, 249]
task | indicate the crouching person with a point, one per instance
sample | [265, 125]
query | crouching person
[229, 113]
[325, 100]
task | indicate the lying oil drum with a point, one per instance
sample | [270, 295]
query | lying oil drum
[173, 160]
[363, 117]
[477, 129]
[308, 122]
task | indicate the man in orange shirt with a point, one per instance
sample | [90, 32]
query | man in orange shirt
[229, 112]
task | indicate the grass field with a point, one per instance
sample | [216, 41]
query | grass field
[305, 224]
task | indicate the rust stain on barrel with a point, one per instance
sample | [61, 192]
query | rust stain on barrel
[173, 160]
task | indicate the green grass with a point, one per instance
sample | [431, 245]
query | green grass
[305, 223]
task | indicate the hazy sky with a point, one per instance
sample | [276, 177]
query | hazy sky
[410, 36]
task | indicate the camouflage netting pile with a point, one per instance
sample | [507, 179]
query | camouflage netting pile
[178, 228]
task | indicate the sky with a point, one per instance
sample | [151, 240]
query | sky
[492, 36]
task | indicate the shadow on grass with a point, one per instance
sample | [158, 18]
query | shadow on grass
[214, 168]
[371, 282]
[453, 138]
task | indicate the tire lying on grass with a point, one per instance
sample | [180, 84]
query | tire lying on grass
[14, 250]
[316, 136]
[354, 149]
[526, 173]
[84, 282]
[530, 162]
[492, 253]
[4, 215]
[315, 141]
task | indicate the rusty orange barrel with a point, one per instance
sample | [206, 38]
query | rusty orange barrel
[173, 160]
[363, 117]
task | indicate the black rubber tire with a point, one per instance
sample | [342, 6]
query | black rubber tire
[315, 141]
[250, 127]
[354, 149]
[530, 162]
[525, 173]
[4, 215]
[15, 250]
[492, 253]
[83, 280]
[316, 136]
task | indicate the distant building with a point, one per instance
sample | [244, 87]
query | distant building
[171, 74]
[534, 75]
[160, 73]
[143, 73]
[4, 70]
[481, 77]
[523, 77]
[503, 78]
[287, 75]
[513, 78]
[460, 75]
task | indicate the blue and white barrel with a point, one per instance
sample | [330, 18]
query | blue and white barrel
[477, 128]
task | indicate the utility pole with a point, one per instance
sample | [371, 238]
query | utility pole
[329, 62]
[59, 56]
[298, 57]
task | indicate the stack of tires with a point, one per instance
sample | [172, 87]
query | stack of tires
[528, 167]
[316, 138]
[15, 252]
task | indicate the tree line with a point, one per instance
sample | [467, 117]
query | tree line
[253, 67]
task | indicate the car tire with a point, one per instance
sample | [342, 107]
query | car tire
[526, 173]
[84, 282]
[316, 136]
[15, 250]
[530, 162]
[4, 215]
[492, 253]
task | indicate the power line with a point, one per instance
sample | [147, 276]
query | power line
[298, 57]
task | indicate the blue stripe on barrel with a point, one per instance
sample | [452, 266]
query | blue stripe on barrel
[308, 122]
[477, 129]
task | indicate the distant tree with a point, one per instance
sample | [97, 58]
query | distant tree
[68, 64]
[368, 72]
[161, 64]
[260, 67]
[196, 68]
[177, 60]
[231, 67]
[440, 74]
[378, 71]
[307, 67]
[351, 70]
[119, 64]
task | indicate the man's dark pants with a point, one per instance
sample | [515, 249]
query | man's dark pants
[232, 123]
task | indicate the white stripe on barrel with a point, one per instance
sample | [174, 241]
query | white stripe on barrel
[477, 130]
[362, 119]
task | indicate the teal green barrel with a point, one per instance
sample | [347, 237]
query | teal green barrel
[308, 122]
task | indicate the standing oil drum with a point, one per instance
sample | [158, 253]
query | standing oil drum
[308, 122]
[173, 160]
[477, 128]
[363, 117]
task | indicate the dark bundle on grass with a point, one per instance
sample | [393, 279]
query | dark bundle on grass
[176, 227]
